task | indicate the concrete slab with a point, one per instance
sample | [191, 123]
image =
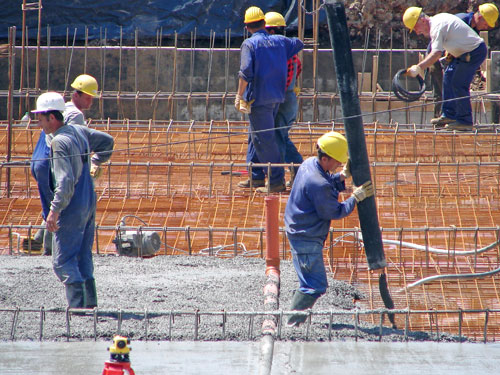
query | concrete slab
[372, 358]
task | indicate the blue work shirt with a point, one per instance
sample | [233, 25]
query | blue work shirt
[263, 64]
[467, 18]
[313, 203]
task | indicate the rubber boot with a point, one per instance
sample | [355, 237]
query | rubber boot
[300, 301]
[90, 294]
[75, 295]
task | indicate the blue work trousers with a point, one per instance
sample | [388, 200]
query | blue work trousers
[286, 116]
[72, 242]
[456, 84]
[310, 267]
[263, 147]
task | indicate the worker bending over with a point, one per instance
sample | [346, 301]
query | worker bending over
[70, 213]
[449, 33]
[313, 203]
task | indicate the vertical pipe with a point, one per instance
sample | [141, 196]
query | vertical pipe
[23, 43]
[38, 37]
[347, 82]
[272, 235]
[12, 33]
[48, 57]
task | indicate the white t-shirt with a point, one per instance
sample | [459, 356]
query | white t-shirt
[73, 115]
[450, 33]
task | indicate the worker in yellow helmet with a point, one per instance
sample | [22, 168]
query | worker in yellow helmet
[483, 20]
[261, 88]
[313, 203]
[449, 33]
[287, 111]
[85, 88]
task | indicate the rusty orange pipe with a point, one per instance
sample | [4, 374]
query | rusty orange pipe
[272, 235]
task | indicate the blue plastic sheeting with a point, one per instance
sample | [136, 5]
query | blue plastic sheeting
[104, 18]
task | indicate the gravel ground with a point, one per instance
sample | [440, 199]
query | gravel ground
[164, 284]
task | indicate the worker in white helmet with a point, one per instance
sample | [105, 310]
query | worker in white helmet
[313, 203]
[449, 33]
[85, 88]
[67, 195]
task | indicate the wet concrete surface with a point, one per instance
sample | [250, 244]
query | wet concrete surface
[188, 357]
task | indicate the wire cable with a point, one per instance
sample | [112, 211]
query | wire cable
[402, 93]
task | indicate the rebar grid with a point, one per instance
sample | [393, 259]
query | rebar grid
[198, 319]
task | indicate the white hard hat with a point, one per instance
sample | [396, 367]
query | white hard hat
[50, 101]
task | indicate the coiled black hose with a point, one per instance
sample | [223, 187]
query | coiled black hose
[403, 94]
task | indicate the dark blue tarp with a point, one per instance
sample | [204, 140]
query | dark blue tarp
[145, 16]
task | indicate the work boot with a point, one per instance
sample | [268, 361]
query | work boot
[440, 122]
[255, 183]
[75, 295]
[276, 188]
[90, 294]
[300, 301]
[459, 126]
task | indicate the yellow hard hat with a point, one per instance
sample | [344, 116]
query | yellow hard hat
[489, 12]
[274, 19]
[254, 14]
[410, 17]
[334, 145]
[86, 84]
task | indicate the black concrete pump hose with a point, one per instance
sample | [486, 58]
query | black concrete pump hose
[402, 93]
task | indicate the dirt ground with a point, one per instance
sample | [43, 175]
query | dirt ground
[164, 284]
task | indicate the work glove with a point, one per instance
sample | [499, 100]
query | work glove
[95, 171]
[346, 171]
[362, 192]
[414, 71]
[296, 90]
[237, 102]
[242, 105]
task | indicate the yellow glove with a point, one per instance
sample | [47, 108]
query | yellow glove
[362, 192]
[414, 71]
[244, 106]
[237, 102]
[346, 171]
[296, 90]
[95, 171]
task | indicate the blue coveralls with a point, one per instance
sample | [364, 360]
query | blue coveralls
[264, 66]
[72, 243]
[312, 204]
[457, 78]
[286, 116]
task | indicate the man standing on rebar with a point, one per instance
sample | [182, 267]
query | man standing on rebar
[449, 33]
[483, 20]
[70, 214]
[261, 87]
[312, 204]
[287, 111]
[85, 89]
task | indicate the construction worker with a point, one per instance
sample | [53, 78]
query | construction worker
[483, 20]
[312, 204]
[70, 212]
[85, 89]
[449, 33]
[261, 88]
[81, 100]
[287, 111]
